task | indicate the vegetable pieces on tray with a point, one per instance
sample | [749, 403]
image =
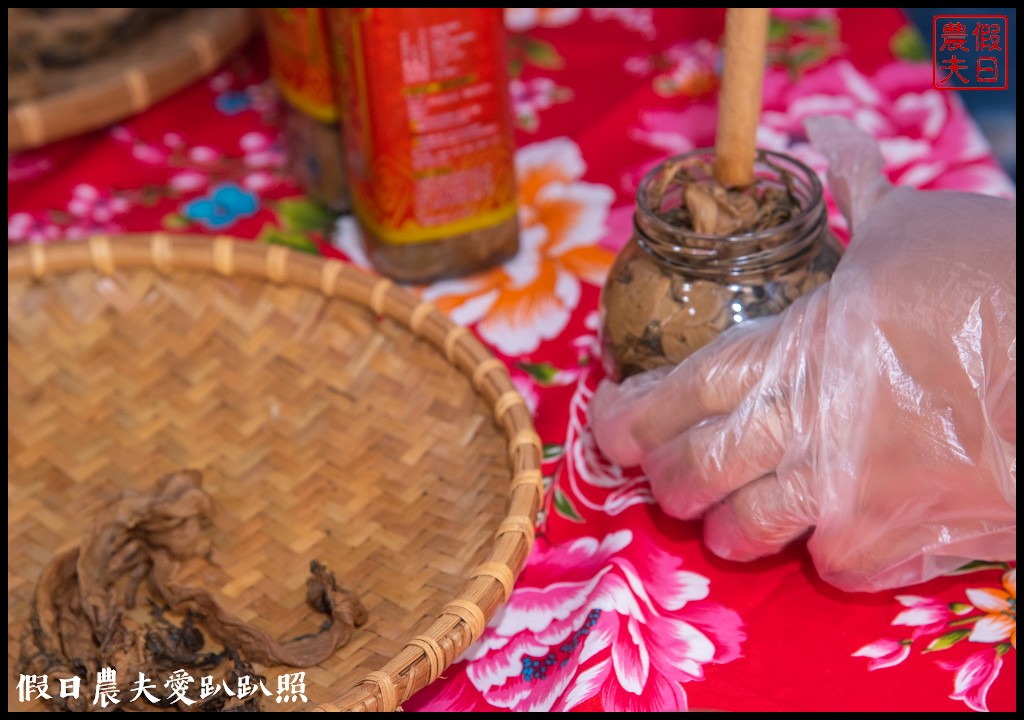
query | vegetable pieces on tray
[86, 615]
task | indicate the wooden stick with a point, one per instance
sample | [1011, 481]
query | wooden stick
[739, 101]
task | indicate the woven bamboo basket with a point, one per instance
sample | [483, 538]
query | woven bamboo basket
[333, 414]
[121, 84]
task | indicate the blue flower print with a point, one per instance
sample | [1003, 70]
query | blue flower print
[227, 204]
[232, 102]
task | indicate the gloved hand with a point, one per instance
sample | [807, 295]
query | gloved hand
[876, 415]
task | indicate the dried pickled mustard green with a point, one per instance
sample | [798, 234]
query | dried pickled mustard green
[709, 208]
[654, 315]
[85, 613]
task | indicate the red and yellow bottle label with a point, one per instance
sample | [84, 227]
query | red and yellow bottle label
[300, 59]
[423, 95]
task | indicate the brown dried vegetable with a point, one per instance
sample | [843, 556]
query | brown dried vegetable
[39, 39]
[85, 613]
[709, 208]
[657, 313]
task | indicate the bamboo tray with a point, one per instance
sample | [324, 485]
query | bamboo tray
[334, 416]
[146, 70]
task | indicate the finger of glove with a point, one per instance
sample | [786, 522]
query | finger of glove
[703, 465]
[649, 409]
[761, 518]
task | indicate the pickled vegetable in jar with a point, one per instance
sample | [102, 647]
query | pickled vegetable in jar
[703, 258]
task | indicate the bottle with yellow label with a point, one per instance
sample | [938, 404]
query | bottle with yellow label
[300, 63]
[429, 144]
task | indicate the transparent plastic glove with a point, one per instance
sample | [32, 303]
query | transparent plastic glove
[876, 416]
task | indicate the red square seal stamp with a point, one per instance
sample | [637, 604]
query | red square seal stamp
[970, 52]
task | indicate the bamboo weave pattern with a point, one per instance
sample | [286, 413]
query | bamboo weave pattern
[324, 428]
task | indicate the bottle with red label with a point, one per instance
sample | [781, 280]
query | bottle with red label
[300, 63]
[428, 136]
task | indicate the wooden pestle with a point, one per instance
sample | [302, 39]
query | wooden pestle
[739, 99]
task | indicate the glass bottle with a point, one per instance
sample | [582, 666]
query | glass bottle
[671, 290]
[300, 63]
[428, 130]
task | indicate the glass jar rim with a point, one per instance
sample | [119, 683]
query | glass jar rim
[814, 199]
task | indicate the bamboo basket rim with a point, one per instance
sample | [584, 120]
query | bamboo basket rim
[210, 35]
[487, 586]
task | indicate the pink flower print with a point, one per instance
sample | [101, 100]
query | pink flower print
[189, 181]
[141, 150]
[262, 97]
[88, 203]
[254, 142]
[529, 97]
[520, 19]
[660, 129]
[525, 386]
[25, 227]
[258, 181]
[121, 134]
[885, 653]
[692, 70]
[974, 677]
[149, 154]
[925, 615]
[221, 81]
[804, 13]
[587, 345]
[688, 68]
[646, 666]
[25, 166]
[456, 694]
[203, 155]
[260, 152]
[173, 140]
[638, 20]
[925, 135]
[618, 618]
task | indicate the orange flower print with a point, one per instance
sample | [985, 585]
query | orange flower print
[946, 625]
[1000, 607]
[530, 298]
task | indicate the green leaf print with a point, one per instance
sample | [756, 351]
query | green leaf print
[542, 54]
[175, 221]
[552, 452]
[295, 240]
[907, 44]
[948, 640]
[565, 508]
[542, 373]
[304, 215]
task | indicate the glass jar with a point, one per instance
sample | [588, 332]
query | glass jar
[671, 290]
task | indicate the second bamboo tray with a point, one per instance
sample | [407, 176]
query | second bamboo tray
[118, 85]
[334, 416]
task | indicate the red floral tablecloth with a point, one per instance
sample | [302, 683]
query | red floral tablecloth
[620, 607]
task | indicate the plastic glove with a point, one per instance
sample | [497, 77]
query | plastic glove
[877, 414]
